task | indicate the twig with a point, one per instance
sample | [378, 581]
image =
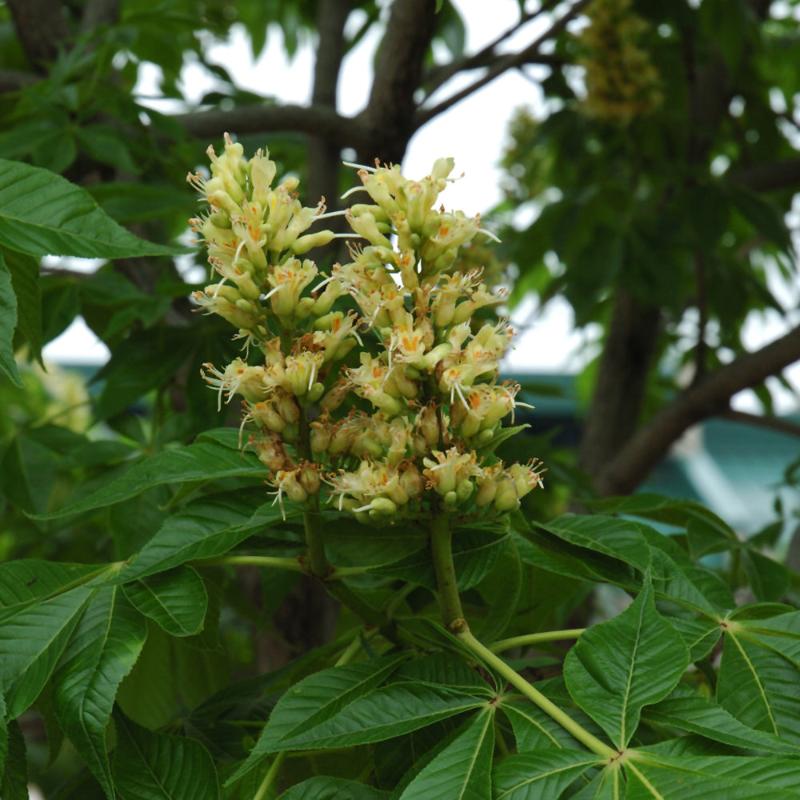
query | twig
[500, 66]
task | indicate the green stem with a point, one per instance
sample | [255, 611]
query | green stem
[442, 554]
[269, 778]
[535, 638]
[534, 695]
[348, 572]
[253, 561]
[351, 651]
[317, 561]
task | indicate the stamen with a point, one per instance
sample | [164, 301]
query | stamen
[330, 214]
[492, 236]
[353, 191]
[358, 166]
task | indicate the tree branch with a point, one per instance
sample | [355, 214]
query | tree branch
[759, 421]
[42, 27]
[12, 80]
[390, 112]
[645, 448]
[271, 118]
[323, 154]
[768, 177]
[99, 12]
[485, 57]
[616, 406]
[528, 55]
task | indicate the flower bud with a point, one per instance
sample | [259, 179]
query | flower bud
[309, 478]
[506, 498]
[311, 240]
[464, 490]
[487, 488]
[320, 436]
[383, 506]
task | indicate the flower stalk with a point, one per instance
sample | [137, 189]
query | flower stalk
[575, 729]
[535, 638]
[446, 579]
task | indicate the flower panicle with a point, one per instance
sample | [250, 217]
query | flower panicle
[375, 383]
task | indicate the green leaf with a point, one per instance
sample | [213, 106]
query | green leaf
[171, 676]
[144, 361]
[24, 581]
[382, 714]
[613, 537]
[25, 279]
[463, 770]
[102, 651]
[501, 591]
[201, 461]
[618, 667]
[14, 785]
[474, 555]
[325, 788]
[43, 214]
[687, 777]
[136, 202]
[768, 579]
[204, 529]
[445, 669]
[8, 324]
[32, 640]
[533, 729]
[153, 766]
[176, 600]
[759, 686]
[695, 714]
[315, 699]
[542, 775]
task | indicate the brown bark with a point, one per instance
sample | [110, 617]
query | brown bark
[621, 381]
[389, 116]
[323, 152]
[711, 397]
[42, 27]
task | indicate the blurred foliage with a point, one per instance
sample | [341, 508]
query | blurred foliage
[640, 173]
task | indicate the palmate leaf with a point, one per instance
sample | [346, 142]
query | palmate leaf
[32, 640]
[687, 777]
[325, 788]
[8, 324]
[171, 675]
[14, 773]
[176, 600]
[206, 528]
[202, 461]
[540, 775]
[445, 669]
[25, 280]
[533, 729]
[154, 766]
[383, 714]
[618, 667]
[41, 214]
[27, 580]
[475, 553]
[101, 652]
[316, 699]
[759, 680]
[463, 770]
[674, 576]
[695, 714]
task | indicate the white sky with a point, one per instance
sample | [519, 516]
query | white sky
[473, 132]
